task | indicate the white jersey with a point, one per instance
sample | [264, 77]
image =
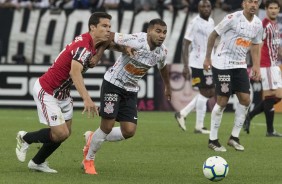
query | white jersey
[237, 35]
[198, 32]
[127, 70]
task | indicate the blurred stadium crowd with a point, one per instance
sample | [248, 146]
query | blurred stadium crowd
[137, 5]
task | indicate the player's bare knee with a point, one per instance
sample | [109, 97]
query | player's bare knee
[127, 134]
[60, 136]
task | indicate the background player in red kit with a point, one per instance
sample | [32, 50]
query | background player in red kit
[270, 71]
[51, 92]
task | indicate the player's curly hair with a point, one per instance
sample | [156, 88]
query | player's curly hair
[156, 21]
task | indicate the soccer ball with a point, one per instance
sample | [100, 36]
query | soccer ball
[215, 168]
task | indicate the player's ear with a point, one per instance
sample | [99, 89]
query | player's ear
[92, 27]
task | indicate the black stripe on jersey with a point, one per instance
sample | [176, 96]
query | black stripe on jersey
[64, 90]
[79, 52]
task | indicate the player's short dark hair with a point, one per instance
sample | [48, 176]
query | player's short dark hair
[156, 21]
[268, 2]
[95, 18]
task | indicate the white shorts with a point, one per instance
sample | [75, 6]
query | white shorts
[271, 78]
[51, 111]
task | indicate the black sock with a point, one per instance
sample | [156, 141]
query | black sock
[234, 138]
[257, 109]
[45, 151]
[40, 136]
[269, 113]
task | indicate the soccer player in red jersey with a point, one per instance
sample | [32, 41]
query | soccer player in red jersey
[51, 92]
[270, 71]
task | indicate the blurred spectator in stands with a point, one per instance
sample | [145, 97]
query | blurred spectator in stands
[193, 4]
[231, 5]
[61, 4]
[9, 4]
[40, 4]
[145, 5]
[127, 4]
[111, 4]
[173, 5]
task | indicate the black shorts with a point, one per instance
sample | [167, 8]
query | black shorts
[229, 81]
[201, 78]
[117, 103]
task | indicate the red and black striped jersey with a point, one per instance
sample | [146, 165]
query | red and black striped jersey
[271, 42]
[57, 81]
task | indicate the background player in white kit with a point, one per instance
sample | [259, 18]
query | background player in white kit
[197, 35]
[270, 71]
[120, 88]
[240, 32]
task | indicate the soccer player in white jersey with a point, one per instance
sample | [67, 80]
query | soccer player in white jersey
[240, 32]
[120, 88]
[197, 35]
[270, 71]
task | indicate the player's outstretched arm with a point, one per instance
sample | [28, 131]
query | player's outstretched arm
[165, 76]
[210, 45]
[255, 54]
[75, 73]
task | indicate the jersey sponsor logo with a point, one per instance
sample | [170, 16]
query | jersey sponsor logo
[224, 78]
[130, 68]
[196, 80]
[243, 43]
[237, 62]
[224, 87]
[141, 40]
[109, 107]
[111, 97]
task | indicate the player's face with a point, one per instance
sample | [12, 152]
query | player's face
[156, 35]
[250, 6]
[205, 9]
[101, 32]
[272, 11]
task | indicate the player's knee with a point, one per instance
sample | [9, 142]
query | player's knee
[60, 136]
[128, 133]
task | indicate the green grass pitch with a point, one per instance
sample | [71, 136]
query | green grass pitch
[160, 152]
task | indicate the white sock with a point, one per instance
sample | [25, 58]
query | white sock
[216, 117]
[189, 107]
[240, 115]
[115, 135]
[97, 139]
[201, 108]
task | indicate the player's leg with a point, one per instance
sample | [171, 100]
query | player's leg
[271, 95]
[206, 87]
[241, 86]
[180, 116]
[223, 90]
[50, 114]
[109, 109]
[250, 115]
[260, 106]
[59, 130]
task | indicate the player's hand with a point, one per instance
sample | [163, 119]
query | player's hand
[186, 72]
[90, 108]
[130, 51]
[255, 75]
[207, 64]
